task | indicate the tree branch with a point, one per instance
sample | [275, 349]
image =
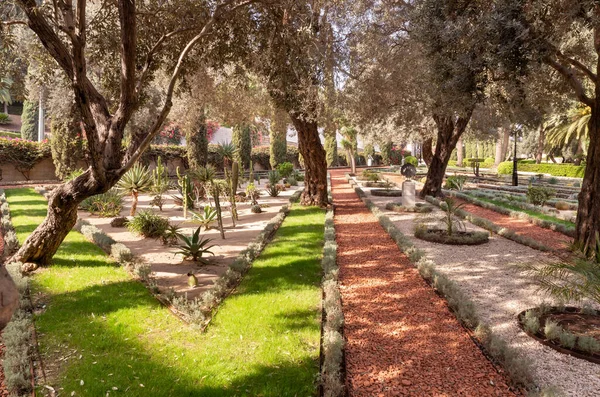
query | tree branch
[587, 72]
[574, 82]
[135, 151]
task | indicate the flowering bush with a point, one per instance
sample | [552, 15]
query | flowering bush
[23, 154]
[211, 128]
[170, 135]
[396, 155]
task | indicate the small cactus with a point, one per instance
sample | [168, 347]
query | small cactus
[256, 209]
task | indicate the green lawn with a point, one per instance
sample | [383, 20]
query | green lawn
[10, 134]
[534, 214]
[110, 335]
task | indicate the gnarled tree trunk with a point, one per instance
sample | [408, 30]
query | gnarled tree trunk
[9, 297]
[43, 243]
[427, 150]
[450, 129]
[309, 145]
[588, 213]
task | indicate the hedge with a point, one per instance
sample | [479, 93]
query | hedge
[24, 155]
[568, 170]
[262, 154]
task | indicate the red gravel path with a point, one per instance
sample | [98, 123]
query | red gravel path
[548, 237]
[402, 340]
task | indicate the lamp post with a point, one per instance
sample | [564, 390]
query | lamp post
[515, 174]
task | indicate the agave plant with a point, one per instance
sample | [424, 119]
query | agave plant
[208, 216]
[171, 235]
[195, 247]
[135, 181]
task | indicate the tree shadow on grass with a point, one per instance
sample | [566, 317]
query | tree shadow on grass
[120, 349]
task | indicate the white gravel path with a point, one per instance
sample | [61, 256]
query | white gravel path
[489, 276]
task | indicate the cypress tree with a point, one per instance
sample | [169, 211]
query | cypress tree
[29, 121]
[278, 133]
[197, 141]
[242, 139]
[66, 144]
[386, 152]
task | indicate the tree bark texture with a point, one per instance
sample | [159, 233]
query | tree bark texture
[43, 243]
[449, 130]
[427, 150]
[588, 213]
[309, 145]
[505, 141]
[9, 297]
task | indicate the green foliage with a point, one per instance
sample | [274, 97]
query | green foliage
[74, 174]
[24, 155]
[171, 235]
[228, 152]
[274, 177]
[278, 135]
[456, 182]
[567, 339]
[274, 190]
[242, 139]
[285, 169]
[331, 150]
[553, 181]
[148, 224]
[186, 188]
[160, 184]
[206, 218]
[197, 141]
[411, 160]
[252, 193]
[386, 152]
[66, 144]
[539, 195]
[195, 247]
[451, 220]
[567, 170]
[4, 118]
[261, 156]
[531, 322]
[29, 121]
[135, 181]
[106, 205]
[552, 330]
[588, 344]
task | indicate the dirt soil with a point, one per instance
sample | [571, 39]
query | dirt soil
[549, 238]
[169, 269]
[402, 340]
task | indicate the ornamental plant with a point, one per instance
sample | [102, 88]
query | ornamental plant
[195, 247]
[135, 181]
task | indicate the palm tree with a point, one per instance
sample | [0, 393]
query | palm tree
[564, 129]
[349, 144]
[227, 151]
[137, 180]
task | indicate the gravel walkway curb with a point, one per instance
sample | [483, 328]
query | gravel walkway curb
[401, 337]
[488, 275]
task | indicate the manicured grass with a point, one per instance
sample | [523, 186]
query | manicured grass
[535, 214]
[103, 328]
[10, 134]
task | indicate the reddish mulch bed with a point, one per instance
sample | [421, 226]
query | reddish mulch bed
[3, 391]
[548, 237]
[402, 340]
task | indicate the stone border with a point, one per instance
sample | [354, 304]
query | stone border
[495, 348]
[19, 336]
[332, 338]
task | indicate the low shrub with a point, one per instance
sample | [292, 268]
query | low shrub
[562, 206]
[4, 118]
[531, 322]
[418, 208]
[255, 209]
[588, 344]
[121, 253]
[567, 339]
[386, 193]
[148, 224]
[552, 330]
[106, 205]
[567, 170]
[457, 238]
[539, 195]
[285, 169]
[411, 160]
[456, 182]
